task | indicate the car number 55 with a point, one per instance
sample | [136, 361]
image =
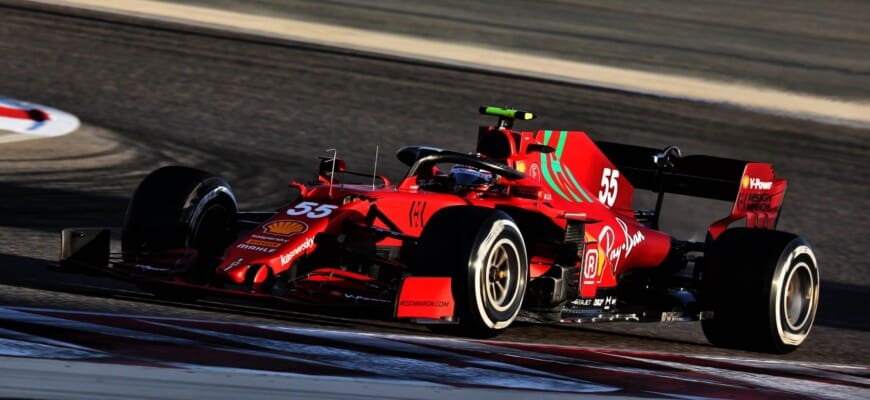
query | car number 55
[311, 209]
[609, 187]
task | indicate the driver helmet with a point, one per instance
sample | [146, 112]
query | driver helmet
[468, 177]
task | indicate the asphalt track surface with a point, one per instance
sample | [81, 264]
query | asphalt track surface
[800, 45]
[259, 112]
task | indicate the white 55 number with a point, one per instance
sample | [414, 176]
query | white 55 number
[609, 187]
[311, 209]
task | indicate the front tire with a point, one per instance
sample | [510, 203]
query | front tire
[763, 289]
[181, 208]
[483, 251]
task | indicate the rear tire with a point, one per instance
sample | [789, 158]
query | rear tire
[483, 251]
[763, 289]
[179, 207]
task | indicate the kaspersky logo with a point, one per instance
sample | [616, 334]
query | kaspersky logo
[755, 183]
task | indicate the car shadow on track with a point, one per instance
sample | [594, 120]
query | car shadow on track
[84, 289]
[837, 309]
[843, 305]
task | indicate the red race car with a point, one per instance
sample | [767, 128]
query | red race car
[531, 225]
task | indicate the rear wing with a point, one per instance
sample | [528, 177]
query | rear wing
[757, 195]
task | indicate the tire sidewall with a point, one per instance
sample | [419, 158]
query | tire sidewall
[167, 209]
[210, 192]
[797, 254]
[497, 231]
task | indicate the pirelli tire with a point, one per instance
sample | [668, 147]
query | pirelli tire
[763, 289]
[178, 207]
[484, 253]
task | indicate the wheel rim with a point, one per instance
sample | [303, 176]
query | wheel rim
[798, 299]
[501, 275]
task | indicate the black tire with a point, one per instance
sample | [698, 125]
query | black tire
[763, 289]
[483, 251]
[179, 207]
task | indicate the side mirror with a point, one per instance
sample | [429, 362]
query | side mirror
[326, 166]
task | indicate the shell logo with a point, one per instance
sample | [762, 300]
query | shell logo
[745, 182]
[285, 227]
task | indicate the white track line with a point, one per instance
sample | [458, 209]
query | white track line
[853, 113]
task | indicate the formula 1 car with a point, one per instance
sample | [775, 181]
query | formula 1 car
[536, 226]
